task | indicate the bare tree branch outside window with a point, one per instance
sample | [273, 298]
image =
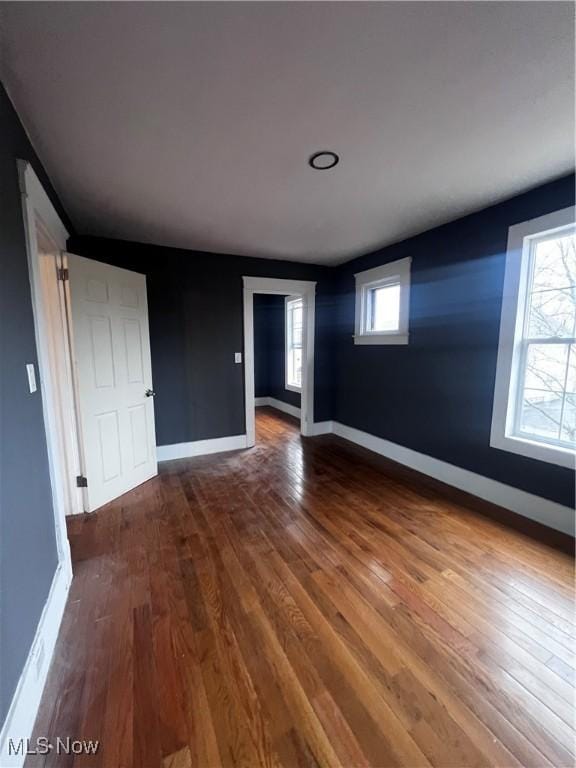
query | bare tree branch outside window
[548, 397]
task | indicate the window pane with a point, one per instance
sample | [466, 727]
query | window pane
[555, 263]
[297, 367]
[540, 414]
[385, 308]
[571, 380]
[294, 318]
[297, 325]
[552, 313]
[290, 368]
[546, 367]
[568, 433]
[294, 362]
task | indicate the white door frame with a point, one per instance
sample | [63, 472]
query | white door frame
[282, 287]
[50, 324]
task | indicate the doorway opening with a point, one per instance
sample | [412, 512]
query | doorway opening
[278, 325]
[279, 349]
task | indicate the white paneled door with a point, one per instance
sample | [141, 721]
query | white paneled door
[111, 348]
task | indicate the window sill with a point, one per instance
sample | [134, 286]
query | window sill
[292, 388]
[381, 338]
[552, 454]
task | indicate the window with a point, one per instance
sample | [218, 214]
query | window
[535, 397]
[294, 317]
[382, 304]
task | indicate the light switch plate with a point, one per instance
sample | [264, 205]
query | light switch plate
[237, 357]
[31, 377]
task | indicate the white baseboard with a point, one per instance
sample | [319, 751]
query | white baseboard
[541, 510]
[323, 428]
[26, 700]
[272, 402]
[291, 410]
[200, 447]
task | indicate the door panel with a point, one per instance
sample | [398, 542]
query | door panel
[109, 445]
[101, 356]
[133, 344]
[139, 431]
[111, 346]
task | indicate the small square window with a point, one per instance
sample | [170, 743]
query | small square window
[382, 304]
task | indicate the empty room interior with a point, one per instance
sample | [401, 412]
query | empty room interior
[287, 384]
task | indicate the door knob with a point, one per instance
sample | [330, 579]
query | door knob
[150, 393]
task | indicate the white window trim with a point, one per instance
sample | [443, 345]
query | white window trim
[511, 321]
[395, 270]
[291, 387]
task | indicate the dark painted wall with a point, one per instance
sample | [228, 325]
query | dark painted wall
[435, 395]
[269, 349]
[262, 340]
[28, 555]
[195, 308]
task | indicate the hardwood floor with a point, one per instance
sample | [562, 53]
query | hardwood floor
[295, 605]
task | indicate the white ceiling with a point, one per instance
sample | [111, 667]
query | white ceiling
[190, 124]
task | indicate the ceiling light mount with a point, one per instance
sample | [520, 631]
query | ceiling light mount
[324, 160]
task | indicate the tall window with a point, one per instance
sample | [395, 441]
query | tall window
[546, 407]
[382, 304]
[540, 408]
[294, 317]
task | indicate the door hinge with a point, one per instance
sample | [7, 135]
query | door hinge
[63, 273]
[81, 482]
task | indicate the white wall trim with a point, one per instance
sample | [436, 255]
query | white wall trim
[26, 700]
[323, 428]
[528, 505]
[55, 379]
[200, 447]
[506, 385]
[280, 405]
[279, 286]
[40, 217]
[30, 186]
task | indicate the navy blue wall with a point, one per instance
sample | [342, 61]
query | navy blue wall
[262, 341]
[269, 349]
[435, 394]
[28, 555]
[195, 307]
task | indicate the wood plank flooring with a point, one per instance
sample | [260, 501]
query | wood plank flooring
[298, 605]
